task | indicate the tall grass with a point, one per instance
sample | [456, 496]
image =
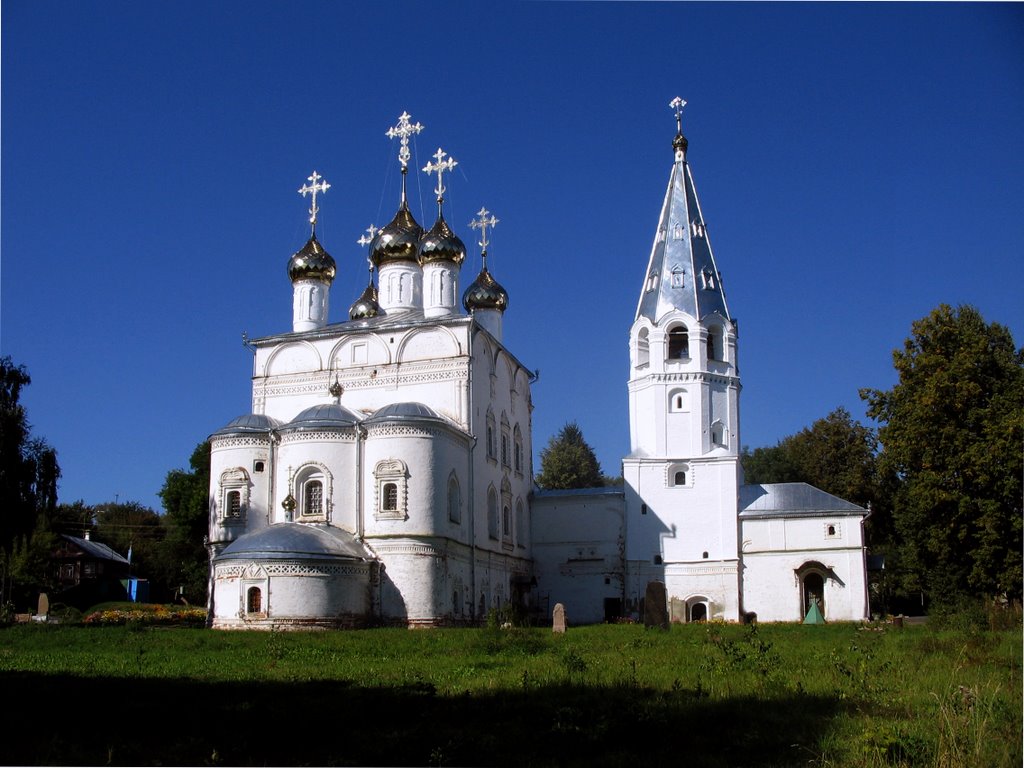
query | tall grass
[838, 695]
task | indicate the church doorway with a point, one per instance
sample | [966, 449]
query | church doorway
[813, 592]
[699, 612]
[254, 600]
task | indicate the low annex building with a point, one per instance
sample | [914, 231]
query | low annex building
[384, 473]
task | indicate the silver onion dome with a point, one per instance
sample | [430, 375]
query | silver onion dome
[441, 244]
[485, 293]
[398, 241]
[366, 306]
[312, 263]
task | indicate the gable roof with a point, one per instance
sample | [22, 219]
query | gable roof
[793, 500]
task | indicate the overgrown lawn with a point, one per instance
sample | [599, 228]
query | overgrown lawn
[703, 695]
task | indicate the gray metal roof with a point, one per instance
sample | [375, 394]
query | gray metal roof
[96, 549]
[406, 412]
[323, 416]
[296, 541]
[248, 424]
[685, 276]
[793, 500]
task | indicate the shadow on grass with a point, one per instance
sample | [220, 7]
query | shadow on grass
[66, 720]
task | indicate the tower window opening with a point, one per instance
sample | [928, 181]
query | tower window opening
[652, 281]
[643, 348]
[715, 344]
[680, 478]
[707, 278]
[643, 509]
[718, 433]
[678, 343]
[677, 278]
[658, 560]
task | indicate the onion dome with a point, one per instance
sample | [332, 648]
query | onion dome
[398, 241]
[485, 293]
[250, 423]
[441, 244]
[325, 416]
[312, 263]
[366, 306]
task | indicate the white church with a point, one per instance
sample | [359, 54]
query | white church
[384, 474]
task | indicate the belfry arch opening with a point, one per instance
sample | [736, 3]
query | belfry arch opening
[678, 343]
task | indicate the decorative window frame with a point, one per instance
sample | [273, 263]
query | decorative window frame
[309, 473]
[391, 471]
[234, 480]
[670, 475]
[679, 401]
[506, 522]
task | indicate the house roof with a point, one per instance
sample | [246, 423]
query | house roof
[95, 549]
[793, 500]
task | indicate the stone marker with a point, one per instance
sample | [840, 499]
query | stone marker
[44, 605]
[558, 624]
[655, 608]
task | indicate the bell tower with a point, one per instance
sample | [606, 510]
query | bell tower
[682, 474]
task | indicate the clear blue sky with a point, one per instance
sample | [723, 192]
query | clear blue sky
[856, 164]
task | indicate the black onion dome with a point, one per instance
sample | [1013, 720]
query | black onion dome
[441, 244]
[485, 293]
[366, 306]
[398, 241]
[312, 263]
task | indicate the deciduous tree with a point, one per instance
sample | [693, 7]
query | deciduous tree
[952, 430]
[186, 499]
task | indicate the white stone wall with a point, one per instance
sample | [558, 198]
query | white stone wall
[293, 594]
[774, 550]
[578, 541]
[233, 466]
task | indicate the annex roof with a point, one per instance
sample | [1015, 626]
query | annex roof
[295, 541]
[793, 500]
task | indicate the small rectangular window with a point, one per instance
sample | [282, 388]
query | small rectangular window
[257, 466]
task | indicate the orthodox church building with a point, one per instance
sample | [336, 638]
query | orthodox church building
[384, 473]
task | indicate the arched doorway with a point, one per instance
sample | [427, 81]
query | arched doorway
[699, 612]
[813, 587]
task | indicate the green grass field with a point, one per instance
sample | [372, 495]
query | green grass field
[700, 695]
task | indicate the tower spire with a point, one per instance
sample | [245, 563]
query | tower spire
[679, 143]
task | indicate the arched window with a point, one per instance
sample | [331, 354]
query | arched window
[234, 504]
[390, 502]
[454, 500]
[520, 523]
[715, 343]
[678, 343]
[392, 489]
[492, 448]
[718, 433]
[517, 442]
[492, 513]
[679, 401]
[234, 496]
[643, 348]
[254, 600]
[506, 523]
[312, 498]
[678, 475]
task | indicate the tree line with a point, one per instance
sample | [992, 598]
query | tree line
[941, 468]
[167, 549]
